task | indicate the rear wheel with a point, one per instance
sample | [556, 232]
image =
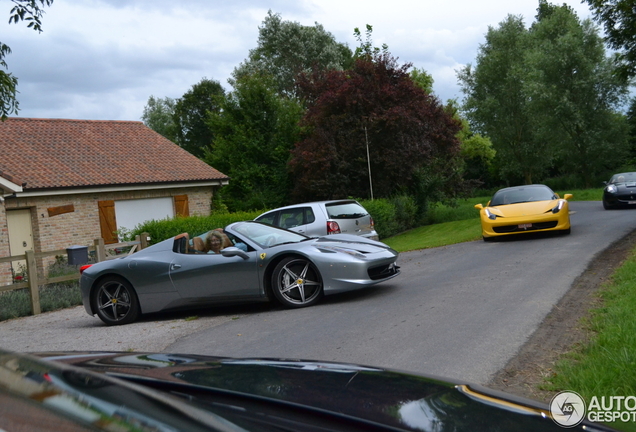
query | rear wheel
[115, 301]
[296, 282]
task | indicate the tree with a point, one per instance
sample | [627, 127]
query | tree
[631, 122]
[375, 105]
[477, 152]
[365, 49]
[254, 131]
[618, 18]
[547, 97]
[423, 79]
[31, 12]
[191, 113]
[574, 93]
[496, 103]
[286, 49]
[159, 116]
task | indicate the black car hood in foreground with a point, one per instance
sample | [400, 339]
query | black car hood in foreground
[169, 392]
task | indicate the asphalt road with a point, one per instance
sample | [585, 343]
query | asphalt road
[460, 311]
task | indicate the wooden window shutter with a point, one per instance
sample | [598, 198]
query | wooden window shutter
[181, 205]
[107, 221]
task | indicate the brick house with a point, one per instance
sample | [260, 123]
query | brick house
[68, 182]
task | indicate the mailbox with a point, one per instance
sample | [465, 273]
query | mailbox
[77, 255]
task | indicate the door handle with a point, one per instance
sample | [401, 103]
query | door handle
[175, 266]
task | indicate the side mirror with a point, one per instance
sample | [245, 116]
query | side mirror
[479, 206]
[567, 196]
[234, 251]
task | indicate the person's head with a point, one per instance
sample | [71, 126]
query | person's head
[214, 241]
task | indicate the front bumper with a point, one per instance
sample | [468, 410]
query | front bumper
[518, 225]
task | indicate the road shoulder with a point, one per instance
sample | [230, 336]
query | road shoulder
[563, 329]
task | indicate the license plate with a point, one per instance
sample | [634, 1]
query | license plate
[631, 202]
[525, 226]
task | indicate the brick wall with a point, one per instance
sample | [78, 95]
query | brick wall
[81, 226]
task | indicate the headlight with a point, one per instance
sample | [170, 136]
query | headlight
[332, 249]
[491, 215]
[558, 207]
[611, 188]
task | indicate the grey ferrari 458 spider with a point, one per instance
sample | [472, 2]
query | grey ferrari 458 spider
[246, 261]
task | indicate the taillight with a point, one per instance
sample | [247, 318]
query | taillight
[372, 223]
[84, 267]
[333, 227]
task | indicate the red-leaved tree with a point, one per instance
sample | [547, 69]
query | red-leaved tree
[411, 140]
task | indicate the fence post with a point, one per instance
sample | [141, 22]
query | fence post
[144, 240]
[32, 275]
[100, 253]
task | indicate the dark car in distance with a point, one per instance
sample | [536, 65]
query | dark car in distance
[620, 191]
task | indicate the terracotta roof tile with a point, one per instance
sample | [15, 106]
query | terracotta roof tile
[58, 153]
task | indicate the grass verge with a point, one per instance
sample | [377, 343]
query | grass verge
[605, 366]
[440, 234]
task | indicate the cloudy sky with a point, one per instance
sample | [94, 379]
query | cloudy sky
[102, 59]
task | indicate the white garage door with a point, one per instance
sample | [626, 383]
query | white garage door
[130, 213]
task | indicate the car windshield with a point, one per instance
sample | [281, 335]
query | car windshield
[521, 195]
[267, 235]
[623, 178]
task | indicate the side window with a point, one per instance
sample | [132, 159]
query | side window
[290, 218]
[309, 215]
[269, 218]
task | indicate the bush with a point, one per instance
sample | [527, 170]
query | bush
[383, 214]
[160, 230]
[17, 303]
[406, 211]
[392, 216]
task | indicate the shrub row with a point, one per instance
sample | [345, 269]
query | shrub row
[391, 216]
[163, 229]
[17, 303]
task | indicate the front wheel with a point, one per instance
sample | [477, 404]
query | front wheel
[296, 282]
[115, 301]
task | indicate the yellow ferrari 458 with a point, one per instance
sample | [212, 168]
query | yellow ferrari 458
[524, 209]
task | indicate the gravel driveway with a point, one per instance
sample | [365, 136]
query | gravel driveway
[73, 329]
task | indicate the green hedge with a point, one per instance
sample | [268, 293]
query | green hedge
[163, 229]
[391, 216]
